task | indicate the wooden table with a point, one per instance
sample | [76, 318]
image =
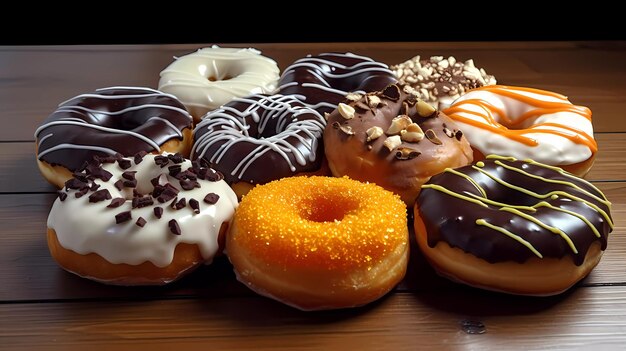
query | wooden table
[43, 307]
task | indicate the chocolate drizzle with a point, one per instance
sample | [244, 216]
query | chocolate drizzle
[323, 81]
[124, 120]
[504, 209]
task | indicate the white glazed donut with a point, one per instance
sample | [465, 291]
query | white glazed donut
[526, 123]
[132, 221]
[211, 77]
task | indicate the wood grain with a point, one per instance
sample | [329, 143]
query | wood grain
[43, 307]
[35, 79]
[586, 318]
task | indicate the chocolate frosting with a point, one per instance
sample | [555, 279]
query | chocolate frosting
[323, 81]
[260, 138]
[125, 120]
[405, 167]
[452, 219]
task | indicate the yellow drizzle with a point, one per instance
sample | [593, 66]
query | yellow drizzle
[483, 201]
[543, 225]
[511, 235]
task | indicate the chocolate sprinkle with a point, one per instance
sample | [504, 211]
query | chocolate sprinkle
[195, 205]
[174, 170]
[458, 135]
[158, 211]
[174, 228]
[168, 193]
[100, 173]
[80, 193]
[117, 202]
[181, 204]
[94, 186]
[189, 184]
[139, 157]
[130, 175]
[123, 217]
[100, 195]
[139, 202]
[124, 163]
[62, 195]
[140, 222]
[391, 92]
[161, 161]
[75, 184]
[130, 183]
[176, 158]
[119, 184]
[211, 198]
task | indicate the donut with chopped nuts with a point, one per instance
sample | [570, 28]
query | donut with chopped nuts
[393, 139]
[324, 80]
[146, 220]
[124, 120]
[439, 80]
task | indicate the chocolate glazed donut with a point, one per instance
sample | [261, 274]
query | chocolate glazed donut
[502, 209]
[125, 120]
[260, 138]
[323, 81]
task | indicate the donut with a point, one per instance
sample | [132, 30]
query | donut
[439, 80]
[527, 123]
[323, 81]
[393, 139]
[125, 120]
[146, 220]
[520, 227]
[319, 242]
[260, 138]
[211, 77]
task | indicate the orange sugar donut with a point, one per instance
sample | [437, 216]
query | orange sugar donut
[319, 242]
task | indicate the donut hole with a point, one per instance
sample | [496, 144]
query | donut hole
[215, 79]
[327, 208]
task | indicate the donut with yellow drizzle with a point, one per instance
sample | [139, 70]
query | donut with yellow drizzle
[526, 123]
[520, 227]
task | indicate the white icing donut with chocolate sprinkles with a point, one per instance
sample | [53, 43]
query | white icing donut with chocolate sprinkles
[142, 220]
[210, 77]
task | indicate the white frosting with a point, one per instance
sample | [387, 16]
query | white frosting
[188, 77]
[232, 128]
[551, 149]
[86, 227]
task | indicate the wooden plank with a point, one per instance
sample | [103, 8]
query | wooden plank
[587, 318]
[19, 172]
[31, 90]
[29, 273]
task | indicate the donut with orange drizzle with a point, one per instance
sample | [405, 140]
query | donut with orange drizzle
[527, 123]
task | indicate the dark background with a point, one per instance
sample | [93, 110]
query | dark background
[231, 22]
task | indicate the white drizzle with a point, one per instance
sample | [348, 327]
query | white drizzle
[86, 227]
[87, 112]
[314, 64]
[229, 126]
[188, 77]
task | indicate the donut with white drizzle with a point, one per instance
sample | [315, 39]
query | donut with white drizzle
[140, 221]
[323, 81]
[260, 138]
[504, 224]
[125, 120]
[210, 77]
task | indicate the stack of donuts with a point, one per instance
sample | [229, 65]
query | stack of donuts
[306, 181]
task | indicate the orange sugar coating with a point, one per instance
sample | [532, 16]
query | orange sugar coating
[321, 222]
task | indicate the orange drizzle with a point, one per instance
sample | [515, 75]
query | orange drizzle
[541, 108]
